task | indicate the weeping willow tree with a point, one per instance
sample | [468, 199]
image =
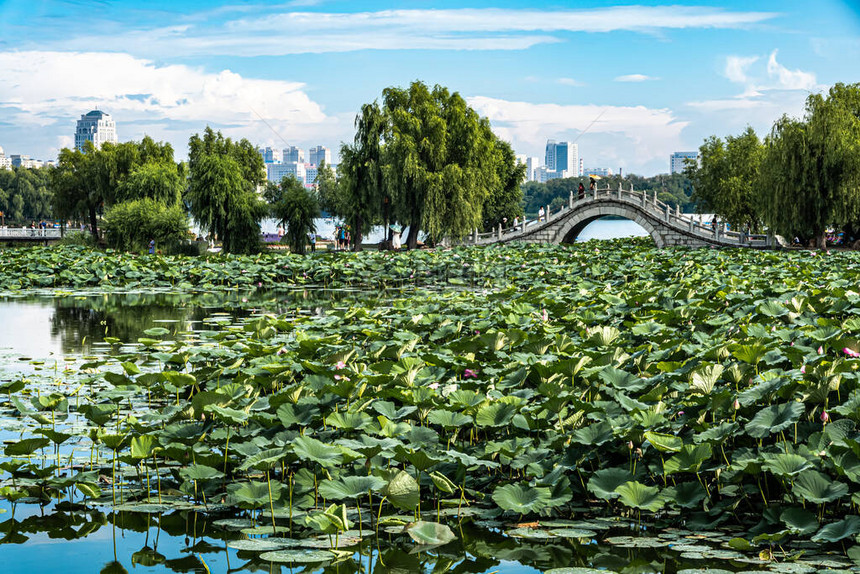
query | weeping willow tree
[810, 176]
[296, 208]
[439, 161]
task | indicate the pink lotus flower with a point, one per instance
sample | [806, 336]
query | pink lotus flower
[824, 416]
[820, 350]
[259, 283]
[340, 365]
[736, 404]
[470, 374]
[850, 352]
[803, 369]
[544, 315]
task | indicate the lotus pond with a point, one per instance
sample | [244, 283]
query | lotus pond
[603, 407]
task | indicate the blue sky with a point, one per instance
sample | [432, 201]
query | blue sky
[658, 77]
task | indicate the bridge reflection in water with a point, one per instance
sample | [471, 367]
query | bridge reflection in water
[667, 226]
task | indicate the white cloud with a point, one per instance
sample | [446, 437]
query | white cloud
[570, 82]
[636, 137]
[736, 68]
[49, 90]
[635, 78]
[279, 31]
[770, 89]
[789, 79]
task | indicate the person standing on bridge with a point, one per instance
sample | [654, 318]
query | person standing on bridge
[540, 214]
[581, 191]
[152, 246]
[591, 184]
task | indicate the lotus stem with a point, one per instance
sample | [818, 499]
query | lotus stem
[271, 503]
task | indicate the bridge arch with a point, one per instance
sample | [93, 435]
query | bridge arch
[577, 221]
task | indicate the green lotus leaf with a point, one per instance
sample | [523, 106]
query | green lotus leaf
[200, 472]
[836, 531]
[688, 459]
[703, 379]
[310, 449]
[774, 419]
[349, 421]
[496, 414]
[604, 482]
[448, 419]
[253, 494]
[685, 494]
[266, 459]
[403, 491]
[430, 533]
[799, 520]
[622, 380]
[785, 464]
[143, 446]
[637, 495]
[816, 487]
[297, 556]
[593, 435]
[521, 498]
[664, 442]
[390, 411]
[350, 487]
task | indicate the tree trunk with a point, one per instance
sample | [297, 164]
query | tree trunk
[94, 229]
[821, 240]
[412, 237]
[356, 236]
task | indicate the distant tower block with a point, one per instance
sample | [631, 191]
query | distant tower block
[97, 127]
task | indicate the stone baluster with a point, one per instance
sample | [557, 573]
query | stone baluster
[475, 236]
[547, 213]
[570, 200]
[500, 231]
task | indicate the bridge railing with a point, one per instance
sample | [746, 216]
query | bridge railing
[34, 233]
[714, 231]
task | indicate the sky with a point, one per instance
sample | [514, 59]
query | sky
[629, 83]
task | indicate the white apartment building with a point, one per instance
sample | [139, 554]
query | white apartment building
[275, 172]
[5, 162]
[677, 160]
[95, 126]
[317, 154]
[292, 154]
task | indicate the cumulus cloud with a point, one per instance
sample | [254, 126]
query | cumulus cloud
[736, 67]
[279, 30]
[49, 90]
[636, 137]
[635, 78]
[789, 79]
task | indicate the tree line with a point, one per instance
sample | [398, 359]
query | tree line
[25, 196]
[802, 179]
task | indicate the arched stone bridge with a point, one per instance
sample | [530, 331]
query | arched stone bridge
[666, 226]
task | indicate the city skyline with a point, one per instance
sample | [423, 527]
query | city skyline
[629, 85]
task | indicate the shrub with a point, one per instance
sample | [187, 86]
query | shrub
[131, 225]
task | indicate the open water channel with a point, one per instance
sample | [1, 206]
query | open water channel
[45, 337]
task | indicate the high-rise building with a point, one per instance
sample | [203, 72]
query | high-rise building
[677, 161]
[270, 155]
[293, 154]
[95, 126]
[5, 162]
[310, 174]
[275, 172]
[316, 155]
[563, 158]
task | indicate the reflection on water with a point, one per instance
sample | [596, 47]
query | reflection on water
[44, 327]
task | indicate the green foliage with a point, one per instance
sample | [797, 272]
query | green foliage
[25, 195]
[296, 208]
[726, 180]
[222, 196]
[131, 225]
[87, 182]
[504, 201]
[811, 168]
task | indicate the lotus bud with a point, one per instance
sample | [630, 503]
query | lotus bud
[803, 369]
[736, 404]
[820, 350]
[630, 444]
[824, 417]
